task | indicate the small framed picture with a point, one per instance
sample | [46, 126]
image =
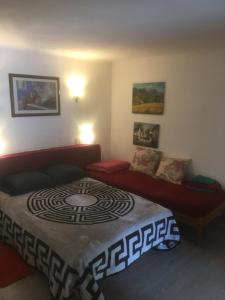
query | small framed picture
[33, 95]
[146, 134]
[148, 98]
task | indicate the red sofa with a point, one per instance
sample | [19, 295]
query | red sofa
[191, 207]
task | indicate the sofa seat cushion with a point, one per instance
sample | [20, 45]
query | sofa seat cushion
[178, 198]
[109, 166]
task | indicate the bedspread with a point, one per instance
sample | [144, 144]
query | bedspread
[81, 232]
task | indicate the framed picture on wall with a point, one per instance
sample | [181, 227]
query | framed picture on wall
[145, 134]
[33, 95]
[148, 98]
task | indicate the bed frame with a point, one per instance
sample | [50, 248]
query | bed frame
[80, 155]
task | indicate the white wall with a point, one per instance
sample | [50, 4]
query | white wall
[193, 124]
[27, 133]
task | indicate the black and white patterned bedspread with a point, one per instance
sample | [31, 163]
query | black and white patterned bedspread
[81, 232]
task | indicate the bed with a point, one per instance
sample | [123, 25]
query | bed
[82, 231]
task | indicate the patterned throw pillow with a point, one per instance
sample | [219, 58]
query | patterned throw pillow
[172, 169]
[146, 160]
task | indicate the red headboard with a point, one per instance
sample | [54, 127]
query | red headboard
[80, 155]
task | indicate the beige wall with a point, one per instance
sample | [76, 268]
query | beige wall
[26, 133]
[193, 124]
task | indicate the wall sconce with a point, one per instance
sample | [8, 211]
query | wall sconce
[2, 146]
[76, 85]
[86, 135]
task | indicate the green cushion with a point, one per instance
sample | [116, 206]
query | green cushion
[64, 173]
[203, 179]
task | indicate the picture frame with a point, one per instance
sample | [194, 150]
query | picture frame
[146, 134]
[148, 98]
[33, 95]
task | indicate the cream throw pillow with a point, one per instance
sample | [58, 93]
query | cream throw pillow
[146, 160]
[172, 169]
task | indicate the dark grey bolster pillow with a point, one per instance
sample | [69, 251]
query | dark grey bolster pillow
[21, 183]
[64, 173]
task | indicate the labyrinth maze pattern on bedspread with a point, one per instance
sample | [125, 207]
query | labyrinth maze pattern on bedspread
[85, 202]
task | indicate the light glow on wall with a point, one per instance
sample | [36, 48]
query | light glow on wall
[76, 85]
[12, 38]
[86, 133]
[2, 146]
[88, 55]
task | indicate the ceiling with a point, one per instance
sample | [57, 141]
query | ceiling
[111, 29]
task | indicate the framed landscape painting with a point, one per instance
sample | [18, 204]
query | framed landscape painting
[33, 95]
[146, 134]
[148, 98]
